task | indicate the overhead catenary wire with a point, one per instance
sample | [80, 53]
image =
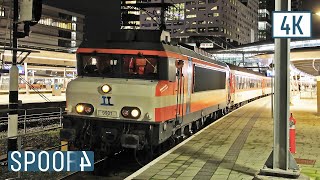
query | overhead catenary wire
[147, 12]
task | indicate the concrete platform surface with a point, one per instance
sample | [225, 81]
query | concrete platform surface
[237, 146]
[32, 98]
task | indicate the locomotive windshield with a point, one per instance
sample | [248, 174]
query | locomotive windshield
[118, 66]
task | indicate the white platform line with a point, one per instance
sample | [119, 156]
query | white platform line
[141, 170]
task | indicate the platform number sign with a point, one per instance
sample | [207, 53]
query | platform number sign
[291, 24]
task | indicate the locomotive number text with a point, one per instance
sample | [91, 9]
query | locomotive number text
[112, 114]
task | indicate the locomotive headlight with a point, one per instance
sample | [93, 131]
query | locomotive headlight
[83, 108]
[131, 112]
[80, 108]
[106, 88]
[135, 113]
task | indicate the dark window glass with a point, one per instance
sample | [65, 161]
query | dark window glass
[65, 34]
[208, 79]
[65, 16]
[118, 66]
[64, 43]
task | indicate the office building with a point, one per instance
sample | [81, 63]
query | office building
[130, 15]
[265, 17]
[214, 23]
[53, 42]
[58, 29]
[296, 5]
[265, 14]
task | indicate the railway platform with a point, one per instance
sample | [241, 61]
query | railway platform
[33, 98]
[237, 146]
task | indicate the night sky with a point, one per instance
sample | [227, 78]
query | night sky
[104, 15]
[314, 6]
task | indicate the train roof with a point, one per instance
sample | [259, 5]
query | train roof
[144, 40]
[237, 68]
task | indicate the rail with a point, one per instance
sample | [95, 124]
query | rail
[74, 175]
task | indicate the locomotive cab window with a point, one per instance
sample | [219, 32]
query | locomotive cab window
[118, 66]
[140, 66]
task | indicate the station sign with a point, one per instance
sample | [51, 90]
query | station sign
[292, 24]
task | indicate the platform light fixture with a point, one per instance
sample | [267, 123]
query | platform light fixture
[315, 13]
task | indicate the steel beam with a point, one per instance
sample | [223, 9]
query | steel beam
[281, 163]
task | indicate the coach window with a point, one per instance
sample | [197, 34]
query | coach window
[237, 82]
[246, 84]
[203, 75]
[242, 82]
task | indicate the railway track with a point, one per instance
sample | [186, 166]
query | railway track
[84, 175]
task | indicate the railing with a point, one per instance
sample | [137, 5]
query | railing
[35, 118]
[311, 94]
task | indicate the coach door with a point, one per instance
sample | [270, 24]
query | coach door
[190, 85]
[180, 91]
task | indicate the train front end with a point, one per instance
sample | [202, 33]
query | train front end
[111, 104]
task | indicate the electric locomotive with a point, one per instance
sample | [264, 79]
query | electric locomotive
[136, 90]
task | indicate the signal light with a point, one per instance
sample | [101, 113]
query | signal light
[125, 112]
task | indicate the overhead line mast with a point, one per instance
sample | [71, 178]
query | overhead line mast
[163, 7]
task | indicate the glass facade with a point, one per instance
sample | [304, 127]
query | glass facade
[129, 15]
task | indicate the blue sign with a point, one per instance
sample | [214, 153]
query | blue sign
[292, 24]
[44, 161]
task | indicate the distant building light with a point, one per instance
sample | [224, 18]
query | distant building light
[214, 8]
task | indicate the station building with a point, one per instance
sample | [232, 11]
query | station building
[53, 41]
